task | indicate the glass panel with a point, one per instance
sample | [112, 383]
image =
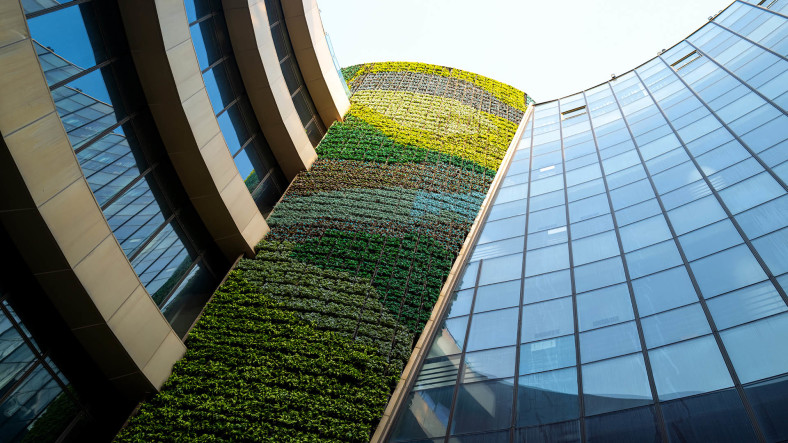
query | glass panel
[696, 214]
[676, 325]
[502, 295]
[689, 368]
[450, 337]
[498, 248]
[549, 259]
[189, 299]
[727, 270]
[637, 425]
[773, 251]
[758, 350]
[483, 406]
[460, 303]
[609, 342]
[619, 383]
[594, 248]
[604, 307]
[746, 304]
[547, 286]
[501, 269]
[767, 399]
[85, 108]
[662, 291]
[653, 258]
[764, 218]
[599, 274]
[233, 129]
[424, 415]
[567, 432]
[162, 262]
[718, 417]
[486, 365]
[501, 229]
[547, 319]
[644, 233]
[547, 355]
[708, 240]
[547, 397]
[493, 329]
[26, 402]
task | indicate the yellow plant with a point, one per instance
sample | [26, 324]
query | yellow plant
[507, 94]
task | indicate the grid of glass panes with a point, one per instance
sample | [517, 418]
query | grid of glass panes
[649, 303]
[36, 402]
[88, 76]
[304, 105]
[237, 121]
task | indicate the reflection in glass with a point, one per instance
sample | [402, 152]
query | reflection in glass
[484, 406]
[619, 383]
[547, 397]
[758, 350]
[689, 368]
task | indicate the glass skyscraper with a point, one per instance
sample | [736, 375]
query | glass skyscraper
[629, 280]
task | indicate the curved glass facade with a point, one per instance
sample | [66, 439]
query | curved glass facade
[629, 282]
[304, 105]
[90, 73]
[250, 151]
[37, 402]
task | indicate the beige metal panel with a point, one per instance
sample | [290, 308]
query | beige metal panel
[164, 56]
[400, 395]
[49, 211]
[253, 45]
[314, 59]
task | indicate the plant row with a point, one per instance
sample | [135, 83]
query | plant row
[508, 94]
[272, 360]
[335, 175]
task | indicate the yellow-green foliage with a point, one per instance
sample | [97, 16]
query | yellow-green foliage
[507, 94]
[436, 123]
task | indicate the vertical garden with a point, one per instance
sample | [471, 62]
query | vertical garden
[306, 341]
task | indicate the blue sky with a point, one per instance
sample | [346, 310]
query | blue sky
[547, 48]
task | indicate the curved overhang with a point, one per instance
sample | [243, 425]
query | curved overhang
[48, 209]
[255, 53]
[166, 62]
[309, 43]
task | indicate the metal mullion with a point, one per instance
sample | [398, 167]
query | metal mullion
[150, 239]
[575, 319]
[229, 105]
[218, 62]
[204, 18]
[753, 42]
[701, 300]
[103, 133]
[83, 73]
[164, 267]
[779, 14]
[12, 389]
[461, 363]
[518, 345]
[714, 192]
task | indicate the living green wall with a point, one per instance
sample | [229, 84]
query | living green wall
[306, 341]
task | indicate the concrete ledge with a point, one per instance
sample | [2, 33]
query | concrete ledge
[49, 211]
[314, 58]
[166, 62]
[253, 45]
